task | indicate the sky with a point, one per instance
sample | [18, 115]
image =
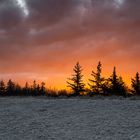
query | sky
[43, 39]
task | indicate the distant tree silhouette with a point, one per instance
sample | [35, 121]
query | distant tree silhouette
[63, 93]
[38, 89]
[18, 90]
[76, 82]
[42, 89]
[10, 88]
[51, 92]
[117, 85]
[34, 89]
[2, 88]
[96, 83]
[136, 84]
[26, 89]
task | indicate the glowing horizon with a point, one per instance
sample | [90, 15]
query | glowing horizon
[59, 80]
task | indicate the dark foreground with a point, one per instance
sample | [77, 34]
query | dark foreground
[69, 119]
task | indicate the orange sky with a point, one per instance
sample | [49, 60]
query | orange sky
[43, 40]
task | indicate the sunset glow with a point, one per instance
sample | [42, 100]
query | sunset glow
[42, 40]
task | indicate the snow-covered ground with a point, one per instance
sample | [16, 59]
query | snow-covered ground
[69, 119]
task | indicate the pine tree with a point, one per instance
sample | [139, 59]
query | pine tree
[10, 88]
[43, 89]
[27, 89]
[136, 84]
[2, 88]
[38, 90]
[34, 88]
[96, 83]
[76, 82]
[117, 85]
[18, 90]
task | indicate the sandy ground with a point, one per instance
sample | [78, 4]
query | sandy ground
[69, 119]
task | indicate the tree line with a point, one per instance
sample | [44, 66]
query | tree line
[97, 85]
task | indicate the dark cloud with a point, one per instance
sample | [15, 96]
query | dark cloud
[10, 15]
[48, 12]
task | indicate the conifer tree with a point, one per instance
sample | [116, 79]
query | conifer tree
[96, 83]
[10, 88]
[136, 84]
[117, 85]
[26, 89]
[2, 88]
[76, 82]
[34, 88]
[18, 90]
[38, 89]
[43, 89]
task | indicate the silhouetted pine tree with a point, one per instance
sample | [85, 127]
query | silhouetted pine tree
[96, 83]
[38, 89]
[42, 89]
[2, 88]
[34, 89]
[26, 90]
[76, 82]
[10, 90]
[18, 90]
[117, 85]
[136, 84]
